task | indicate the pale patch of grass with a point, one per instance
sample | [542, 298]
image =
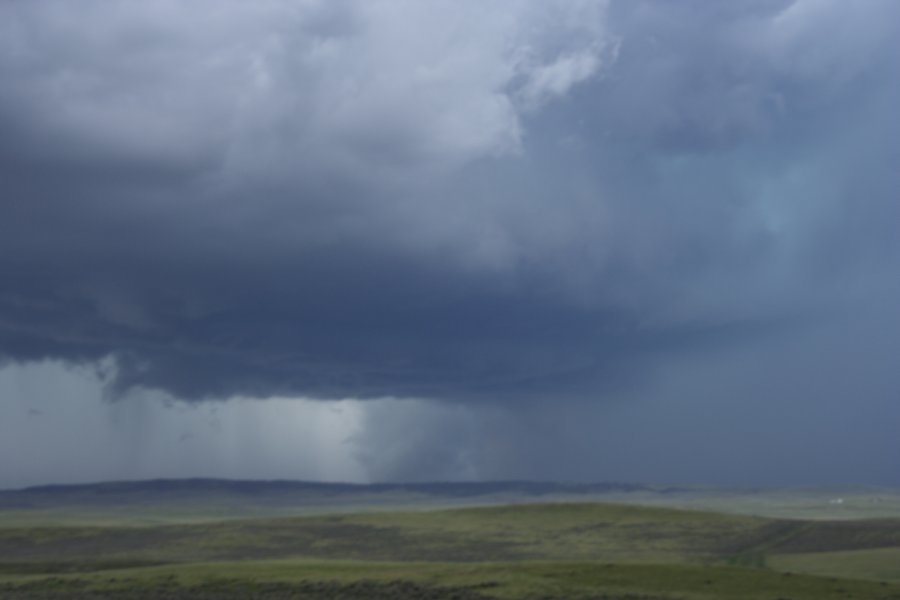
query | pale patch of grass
[880, 564]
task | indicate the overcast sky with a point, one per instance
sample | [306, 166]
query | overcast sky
[368, 240]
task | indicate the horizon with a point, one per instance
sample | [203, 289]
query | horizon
[620, 486]
[475, 487]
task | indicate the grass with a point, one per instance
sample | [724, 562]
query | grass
[880, 564]
[601, 532]
[203, 501]
[497, 580]
[813, 503]
[525, 532]
[549, 550]
[606, 532]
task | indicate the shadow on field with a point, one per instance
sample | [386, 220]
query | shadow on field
[69, 589]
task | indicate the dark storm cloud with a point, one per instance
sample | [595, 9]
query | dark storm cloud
[447, 200]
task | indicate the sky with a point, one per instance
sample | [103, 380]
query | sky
[395, 240]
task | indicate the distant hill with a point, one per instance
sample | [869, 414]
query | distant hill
[141, 492]
[193, 500]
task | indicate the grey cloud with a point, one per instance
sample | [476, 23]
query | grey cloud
[444, 200]
[816, 408]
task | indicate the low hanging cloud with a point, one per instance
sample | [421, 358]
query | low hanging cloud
[452, 200]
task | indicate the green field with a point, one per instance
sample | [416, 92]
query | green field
[150, 547]
[877, 564]
[198, 501]
[330, 579]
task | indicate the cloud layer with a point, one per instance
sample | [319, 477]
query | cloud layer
[457, 201]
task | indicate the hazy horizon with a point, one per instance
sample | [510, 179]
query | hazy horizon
[475, 486]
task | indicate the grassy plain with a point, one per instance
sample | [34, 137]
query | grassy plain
[300, 578]
[877, 564]
[197, 501]
[402, 549]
